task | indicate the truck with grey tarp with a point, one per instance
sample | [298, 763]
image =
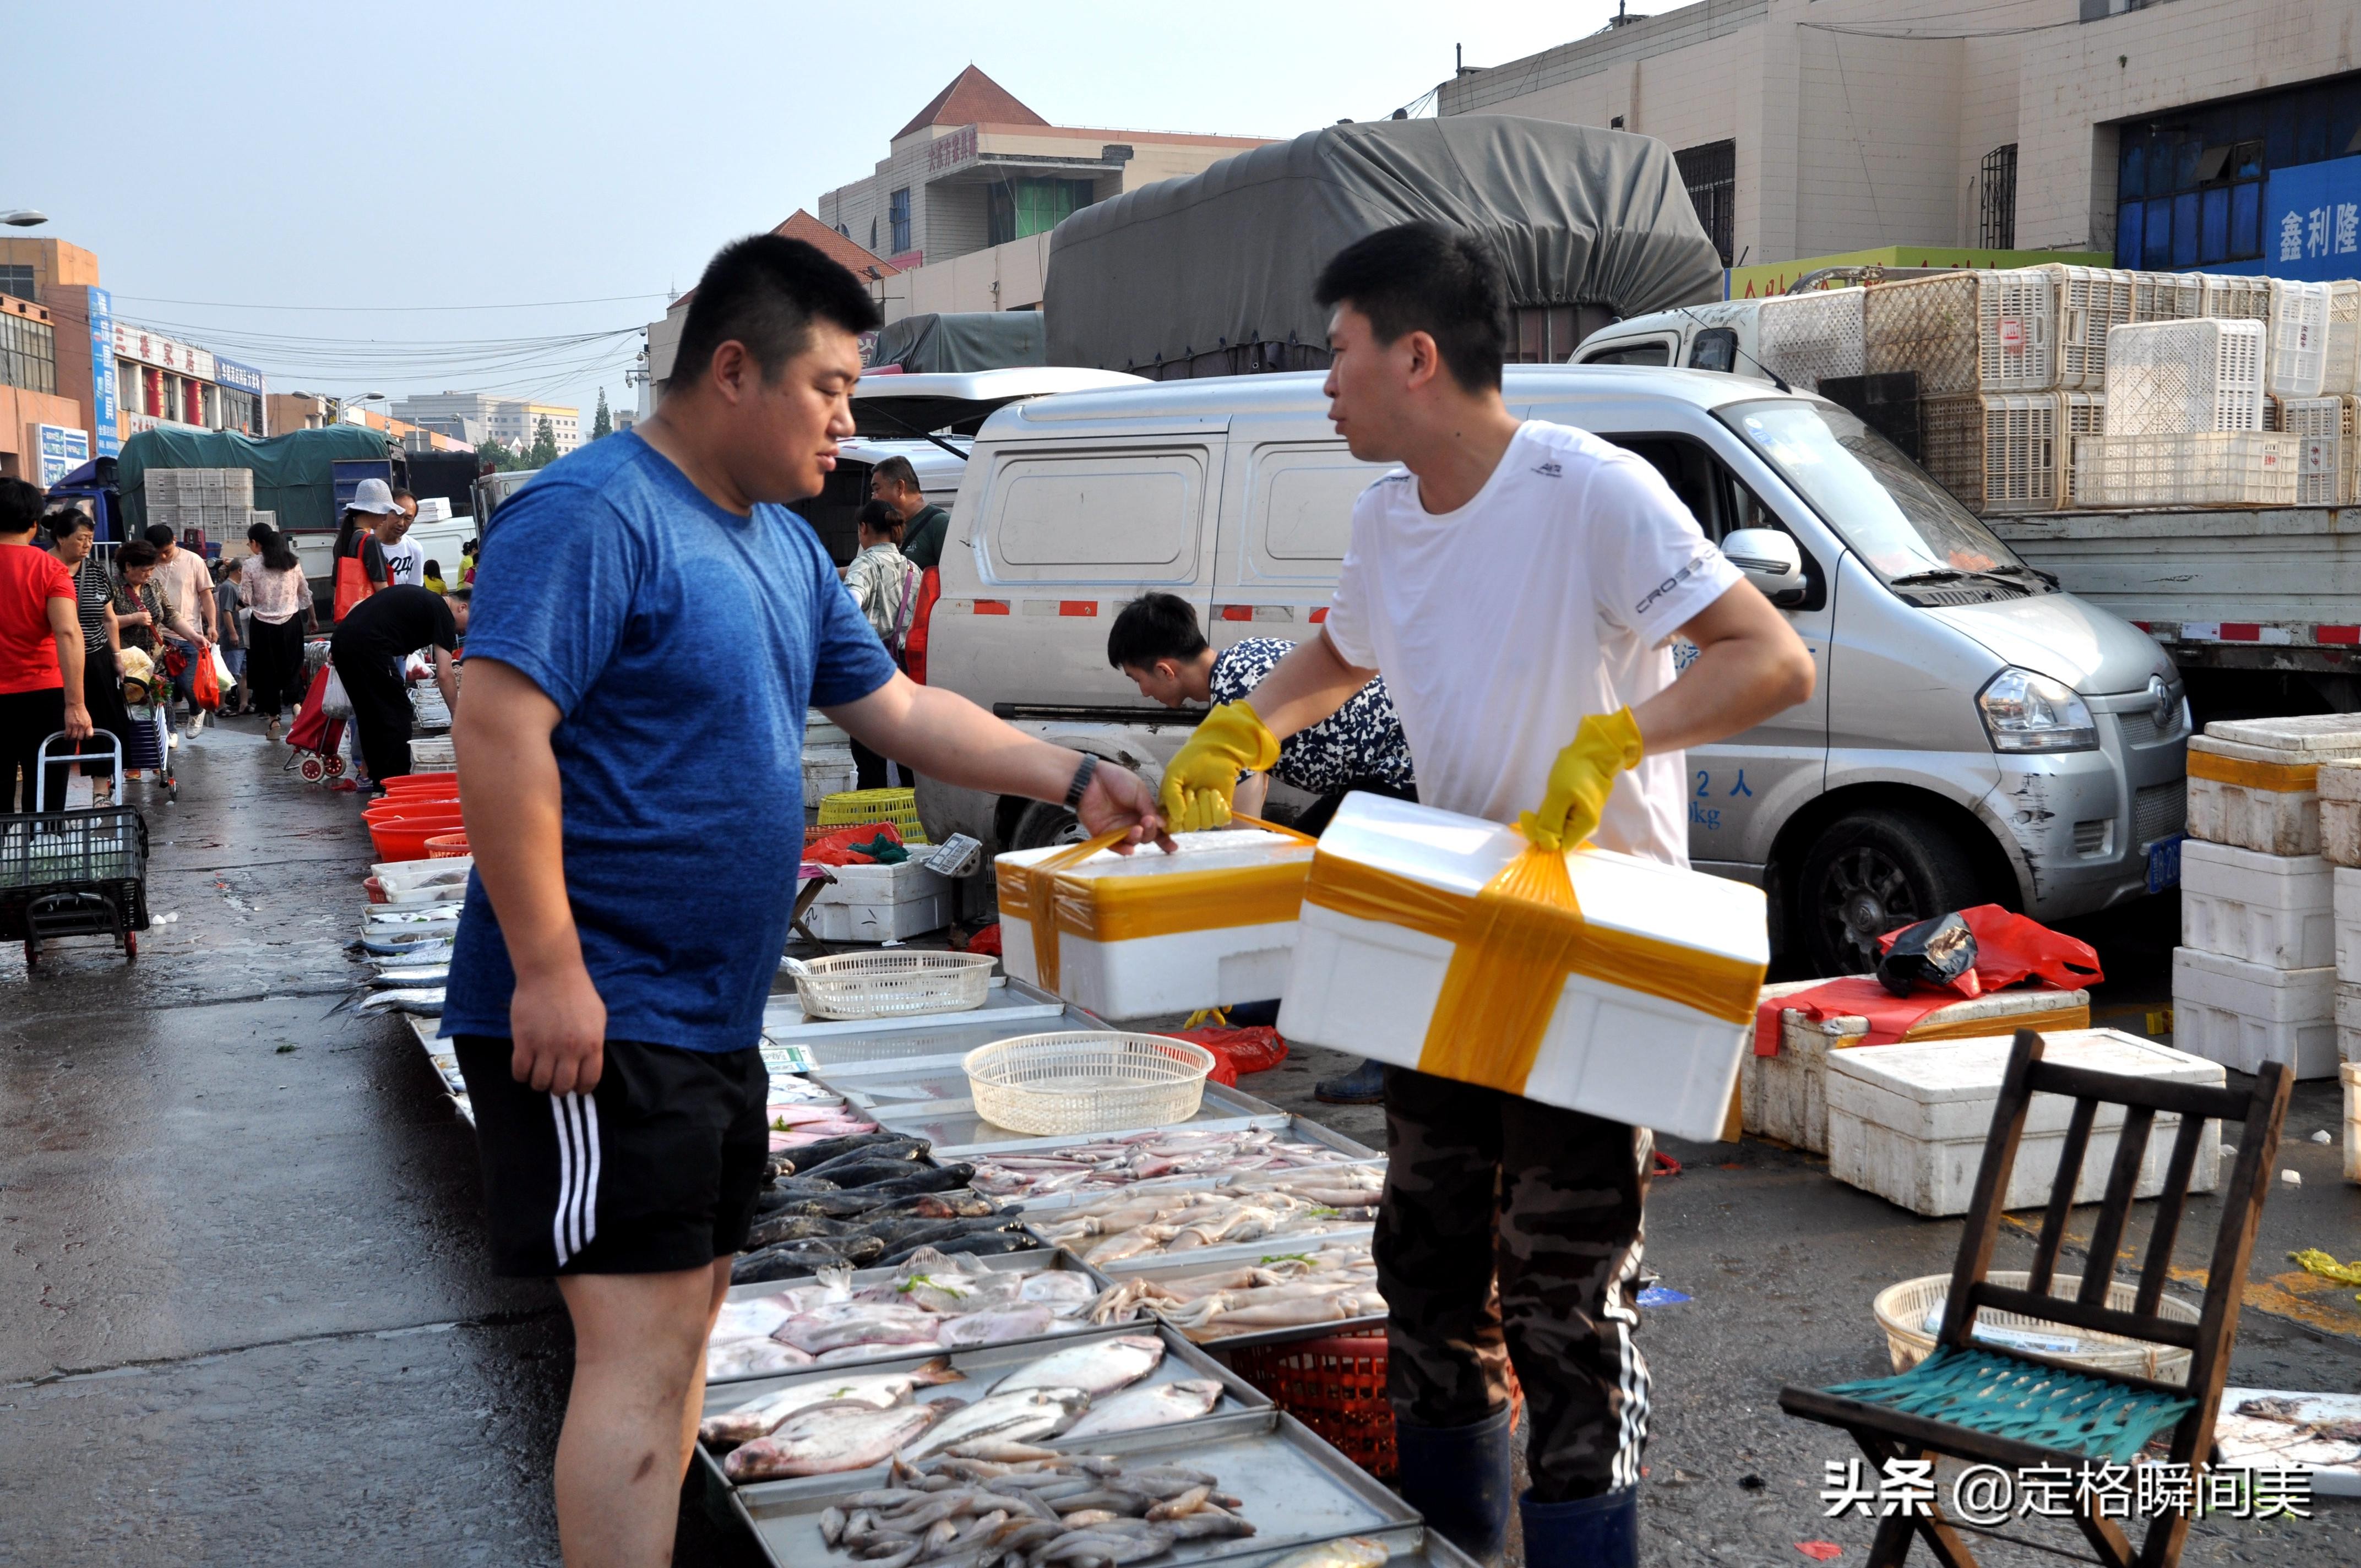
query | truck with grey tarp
[1211, 274]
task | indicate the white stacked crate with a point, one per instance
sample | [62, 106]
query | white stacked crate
[2176, 378]
[2341, 372]
[2091, 301]
[1970, 332]
[2209, 468]
[2295, 348]
[2226, 297]
[2007, 451]
[2167, 296]
[1805, 337]
[2255, 977]
[2340, 844]
[2325, 449]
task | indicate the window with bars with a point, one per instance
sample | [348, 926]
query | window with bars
[18, 281]
[1711, 174]
[897, 217]
[28, 354]
[1996, 229]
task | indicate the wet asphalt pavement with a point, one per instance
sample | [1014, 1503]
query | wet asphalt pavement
[246, 1314]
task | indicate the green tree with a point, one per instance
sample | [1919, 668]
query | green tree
[544, 450]
[500, 456]
[601, 422]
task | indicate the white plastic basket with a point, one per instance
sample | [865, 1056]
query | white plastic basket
[2001, 453]
[2205, 468]
[1805, 337]
[2177, 376]
[1903, 1309]
[2341, 372]
[2322, 431]
[1087, 1081]
[890, 984]
[2295, 358]
[2228, 297]
[1965, 332]
[2091, 301]
[2167, 296]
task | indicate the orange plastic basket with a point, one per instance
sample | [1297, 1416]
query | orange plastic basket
[448, 846]
[1336, 1387]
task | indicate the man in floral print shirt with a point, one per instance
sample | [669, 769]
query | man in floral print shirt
[1157, 643]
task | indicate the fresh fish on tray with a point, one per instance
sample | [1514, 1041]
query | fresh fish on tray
[1166, 1223]
[934, 1297]
[1157, 1405]
[416, 975]
[1104, 1164]
[1022, 1415]
[998, 1504]
[424, 1001]
[1097, 1368]
[762, 1416]
[1290, 1290]
[829, 1438]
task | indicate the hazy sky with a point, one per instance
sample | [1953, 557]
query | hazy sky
[234, 161]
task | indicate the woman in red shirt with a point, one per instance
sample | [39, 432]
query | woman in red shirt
[40, 649]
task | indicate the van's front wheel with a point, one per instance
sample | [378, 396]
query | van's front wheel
[1873, 871]
[1041, 825]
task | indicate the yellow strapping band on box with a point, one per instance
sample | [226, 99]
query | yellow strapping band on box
[1513, 945]
[2280, 778]
[1976, 1028]
[1113, 909]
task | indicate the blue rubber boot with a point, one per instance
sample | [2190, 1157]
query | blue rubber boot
[1365, 1085]
[1457, 1478]
[1590, 1532]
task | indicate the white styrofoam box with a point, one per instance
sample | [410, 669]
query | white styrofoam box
[432, 508]
[2295, 354]
[827, 770]
[1908, 1122]
[1371, 987]
[1786, 1096]
[1807, 337]
[2177, 377]
[2346, 905]
[2213, 468]
[2242, 1014]
[2277, 822]
[2349, 1075]
[880, 904]
[820, 730]
[2325, 448]
[2348, 1022]
[1132, 977]
[2340, 812]
[2273, 910]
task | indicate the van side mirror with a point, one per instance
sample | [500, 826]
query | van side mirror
[1770, 559]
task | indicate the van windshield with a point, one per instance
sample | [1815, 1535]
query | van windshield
[1910, 530]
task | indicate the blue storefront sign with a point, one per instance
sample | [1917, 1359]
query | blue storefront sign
[63, 450]
[238, 377]
[101, 373]
[2311, 224]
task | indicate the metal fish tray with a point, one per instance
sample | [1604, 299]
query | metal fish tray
[1037, 1261]
[1007, 1000]
[1295, 1488]
[442, 1056]
[1183, 1264]
[984, 1366]
[1297, 1129]
[1214, 1257]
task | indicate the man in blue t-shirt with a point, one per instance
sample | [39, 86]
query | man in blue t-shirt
[650, 626]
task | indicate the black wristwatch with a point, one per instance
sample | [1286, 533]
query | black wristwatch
[1081, 785]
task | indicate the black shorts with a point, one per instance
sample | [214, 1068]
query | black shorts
[654, 1170]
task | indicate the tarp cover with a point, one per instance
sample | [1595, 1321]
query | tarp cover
[1178, 268]
[969, 340]
[294, 474]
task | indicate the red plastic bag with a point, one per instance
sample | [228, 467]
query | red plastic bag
[2009, 948]
[835, 846]
[1255, 1049]
[986, 940]
[204, 686]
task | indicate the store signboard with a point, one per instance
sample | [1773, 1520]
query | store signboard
[103, 401]
[63, 449]
[155, 348]
[2312, 222]
[236, 376]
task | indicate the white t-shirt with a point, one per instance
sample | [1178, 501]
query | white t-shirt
[405, 563]
[1501, 626]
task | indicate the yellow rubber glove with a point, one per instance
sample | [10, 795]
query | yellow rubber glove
[1580, 779]
[1203, 775]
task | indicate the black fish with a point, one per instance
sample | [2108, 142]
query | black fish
[869, 1148]
[899, 1231]
[811, 1156]
[774, 1229]
[863, 1173]
[789, 1260]
[984, 1244]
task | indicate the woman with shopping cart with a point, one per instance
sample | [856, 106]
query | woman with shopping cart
[40, 649]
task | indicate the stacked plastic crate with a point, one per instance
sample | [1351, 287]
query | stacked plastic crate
[2184, 420]
[2255, 977]
[2010, 366]
[1804, 337]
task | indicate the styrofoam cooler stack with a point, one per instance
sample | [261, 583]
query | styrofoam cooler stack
[2178, 377]
[1786, 1096]
[1908, 1122]
[827, 770]
[2347, 907]
[2272, 802]
[2339, 786]
[2272, 910]
[2242, 1015]
[2295, 353]
[881, 904]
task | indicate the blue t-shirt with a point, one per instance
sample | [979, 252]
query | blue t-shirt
[682, 645]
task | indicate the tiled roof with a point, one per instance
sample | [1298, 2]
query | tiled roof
[854, 257]
[973, 99]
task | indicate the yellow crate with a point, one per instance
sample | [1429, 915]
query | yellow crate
[853, 806]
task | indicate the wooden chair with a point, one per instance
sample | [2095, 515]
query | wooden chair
[1989, 1405]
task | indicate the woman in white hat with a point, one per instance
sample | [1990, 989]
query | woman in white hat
[360, 561]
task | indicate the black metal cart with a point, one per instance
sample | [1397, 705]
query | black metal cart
[73, 874]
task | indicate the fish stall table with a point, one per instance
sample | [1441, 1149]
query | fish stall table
[1220, 1302]
[444, 1061]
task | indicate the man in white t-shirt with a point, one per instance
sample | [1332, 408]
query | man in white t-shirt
[405, 558]
[1516, 584]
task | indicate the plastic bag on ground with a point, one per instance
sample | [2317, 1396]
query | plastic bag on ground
[1939, 952]
[1235, 1051]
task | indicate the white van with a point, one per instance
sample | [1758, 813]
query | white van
[1976, 735]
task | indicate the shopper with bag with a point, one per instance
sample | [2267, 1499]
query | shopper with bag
[40, 653]
[884, 584]
[278, 599]
[360, 558]
[1544, 696]
[369, 648]
[71, 534]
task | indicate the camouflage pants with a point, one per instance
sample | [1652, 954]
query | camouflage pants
[1511, 1231]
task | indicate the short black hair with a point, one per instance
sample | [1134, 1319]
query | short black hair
[879, 518]
[1425, 278]
[138, 552]
[160, 535]
[764, 292]
[461, 594]
[896, 470]
[21, 506]
[64, 522]
[1153, 627]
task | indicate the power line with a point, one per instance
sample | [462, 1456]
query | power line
[349, 310]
